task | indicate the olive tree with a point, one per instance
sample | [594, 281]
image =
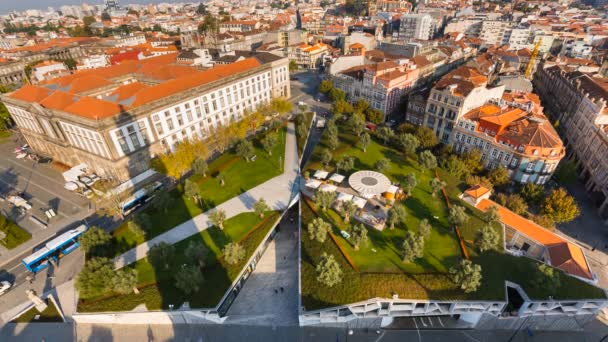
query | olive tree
[329, 272]
[457, 215]
[260, 207]
[396, 215]
[359, 236]
[467, 276]
[412, 247]
[487, 238]
[318, 229]
[218, 217]
[189, 279]
[233, 253]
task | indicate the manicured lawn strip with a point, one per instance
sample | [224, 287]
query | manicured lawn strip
[49, 315]
[4, 135]
[240, 176]
[302, 139]
[156, 288]
[355, 286]
[15, 235]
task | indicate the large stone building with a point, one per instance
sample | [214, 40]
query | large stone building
[514, 133]
[380, 84]
[115, 118]
[578, 102]
[454, 95]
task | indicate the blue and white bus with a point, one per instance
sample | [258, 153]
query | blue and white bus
[139, 197]
[54, 249]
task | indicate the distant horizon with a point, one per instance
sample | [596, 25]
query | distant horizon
[22, 5]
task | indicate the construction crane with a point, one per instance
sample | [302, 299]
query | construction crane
[530, 66]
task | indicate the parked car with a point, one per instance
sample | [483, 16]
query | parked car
[4, 287]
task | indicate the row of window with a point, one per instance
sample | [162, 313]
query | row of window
[24, 119]
[85, 139]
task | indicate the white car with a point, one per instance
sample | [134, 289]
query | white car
[4, 287]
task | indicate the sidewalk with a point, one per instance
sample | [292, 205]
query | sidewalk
[258, 303]
[277, 192]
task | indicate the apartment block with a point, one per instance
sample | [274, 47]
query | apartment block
[116, 118]
[514, 133]
[416, 26]
[454, 95]
[578, 102]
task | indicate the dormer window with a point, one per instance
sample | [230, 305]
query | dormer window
[535, 152]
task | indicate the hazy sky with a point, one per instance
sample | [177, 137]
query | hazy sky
[20, 5]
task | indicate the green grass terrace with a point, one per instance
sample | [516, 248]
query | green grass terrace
[49, 315]
[376, 270]
[240, 176]
[13, 235]
[157, 290]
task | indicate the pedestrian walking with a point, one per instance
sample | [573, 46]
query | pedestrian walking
[281, 289]
[276, 291]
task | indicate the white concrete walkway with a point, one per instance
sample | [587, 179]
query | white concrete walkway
[277, 192]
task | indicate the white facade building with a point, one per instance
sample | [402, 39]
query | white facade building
[416, 26]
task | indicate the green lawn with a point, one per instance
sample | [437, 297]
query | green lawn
[4, 135]
[49, 315]
[14, 235]
[240, 176]
[156, 287]
[382, 273]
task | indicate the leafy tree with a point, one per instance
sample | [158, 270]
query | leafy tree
[260, 207]
[338, 95]
[408, 143]
[280, 105]
[364, 141]
[472, 160]
[457, 215]
[328, 270]
[124, 280]
[326, 157]
[189, 279]
[332, 141]
[348, 209]
[385, 133]
[244, 148]
[491, 215]
[467, 276]
[70, 63]
[345, 164]
[566, 172]
[143, 220]
[560, 206]
[293, 66]
[396, 215]
[499, 176]
[361, 106]
[374, 116]
[412, 247]
[487, 239]
[356, 123]
[473, 180]
[318, 229]
[543, 221]
[427, 160]
[325, 86]
[426, 136]
[221, 177]
[409, 183]
[162, 201]
[95, 279]
[324, 199]
[407, 127]
[382, 165]
[532, 193]
[233, 253]
[93, 240]
[513, 202]
[424, 228]
[269, 142]
[161, 255]
[218, 217]
[105, 16]
[197, 252]
[436, 186]
[200, 167]
[456, 167]
[192, 190]
[136, 229]
[546, 278]
[359, 236]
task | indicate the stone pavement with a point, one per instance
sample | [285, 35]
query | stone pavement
[258, 303]
[277, 192]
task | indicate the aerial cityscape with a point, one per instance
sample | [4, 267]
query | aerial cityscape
[309, 170]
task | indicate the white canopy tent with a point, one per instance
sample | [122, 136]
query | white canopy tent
[328, 188]
[338, 178]
[359, 202]
[321, 174]
[343, 197]
[392, 189]
[313, 183]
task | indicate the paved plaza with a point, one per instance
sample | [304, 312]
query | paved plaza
[270, 295]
